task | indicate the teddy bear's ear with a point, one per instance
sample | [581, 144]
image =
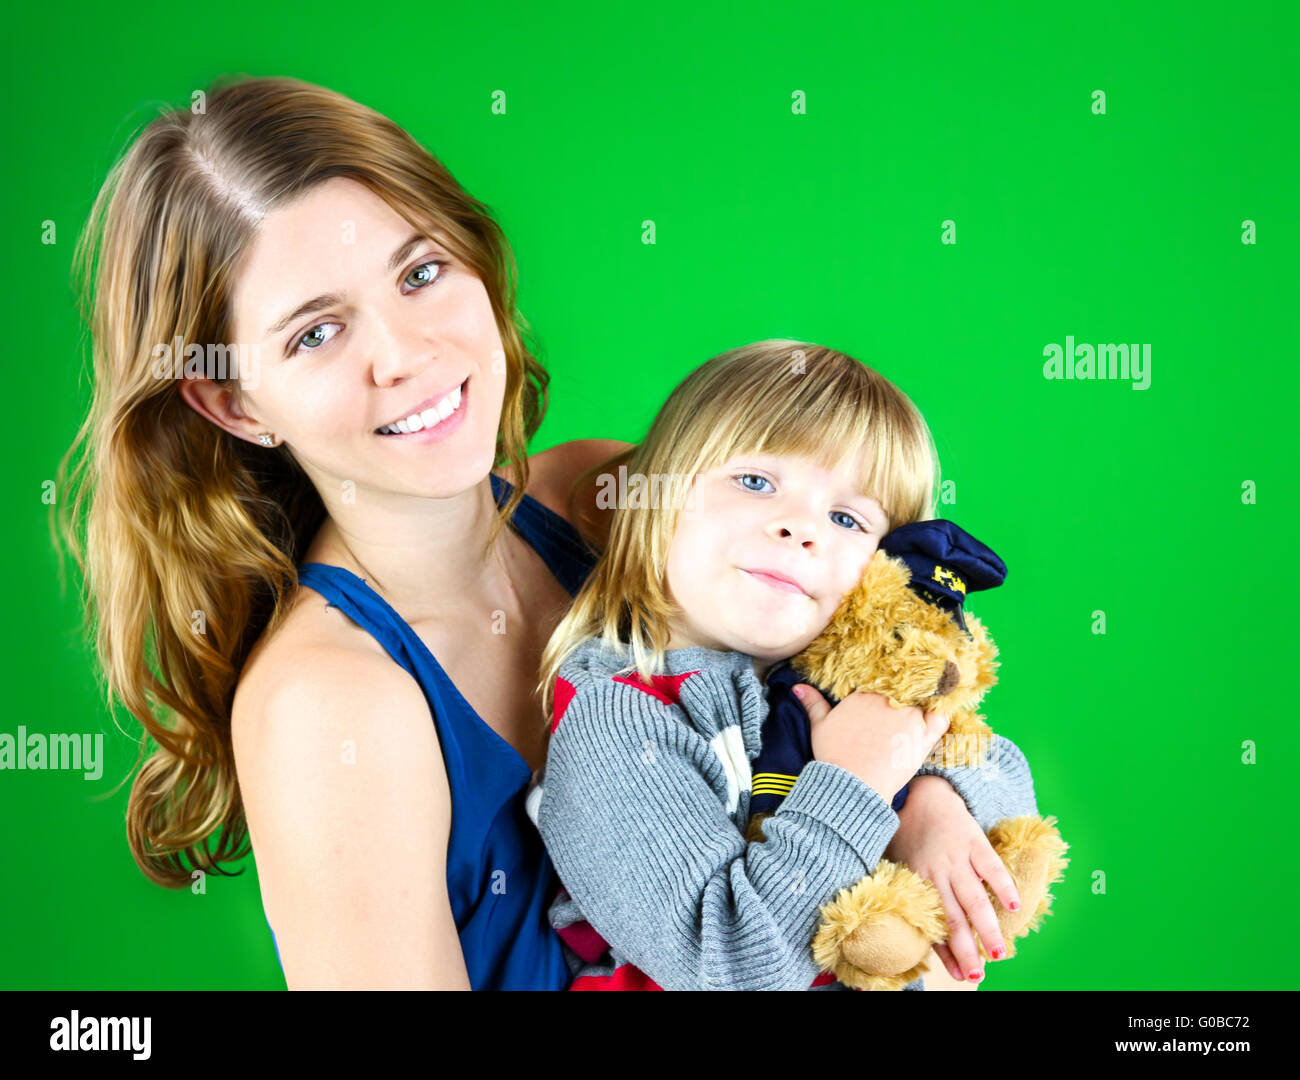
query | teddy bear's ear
[879, 585]
[986, 654]
[875, 600]
[884, 570]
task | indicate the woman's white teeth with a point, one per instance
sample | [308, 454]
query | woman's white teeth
[433, 415]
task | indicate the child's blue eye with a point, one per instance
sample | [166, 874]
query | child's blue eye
[852, 520]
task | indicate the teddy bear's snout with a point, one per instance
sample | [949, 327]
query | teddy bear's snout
[948, 680]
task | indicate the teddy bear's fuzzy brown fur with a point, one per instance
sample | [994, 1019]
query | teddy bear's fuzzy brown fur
[885, 639]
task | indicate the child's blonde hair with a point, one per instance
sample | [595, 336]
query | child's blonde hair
[774, 397]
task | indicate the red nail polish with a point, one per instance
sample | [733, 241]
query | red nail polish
[974, 976]
[997, 954]
[1015, 905]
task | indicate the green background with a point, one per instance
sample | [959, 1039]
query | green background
[826, 226]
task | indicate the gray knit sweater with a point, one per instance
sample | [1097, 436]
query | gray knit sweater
[643, 804]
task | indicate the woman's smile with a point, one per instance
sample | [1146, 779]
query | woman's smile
[433, 424]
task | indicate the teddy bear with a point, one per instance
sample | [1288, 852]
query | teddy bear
[901, 632]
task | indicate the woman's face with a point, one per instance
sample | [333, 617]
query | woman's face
[787, 516]
[359, 324]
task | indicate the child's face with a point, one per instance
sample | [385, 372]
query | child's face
[780, 514]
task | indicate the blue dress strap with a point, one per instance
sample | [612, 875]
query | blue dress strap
[568, 555]
[499, 878]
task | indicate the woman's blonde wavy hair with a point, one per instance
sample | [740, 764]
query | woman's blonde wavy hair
[168, 515]
[775, 397]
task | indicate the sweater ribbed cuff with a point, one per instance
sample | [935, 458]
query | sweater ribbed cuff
[846, 804]
[967, 781]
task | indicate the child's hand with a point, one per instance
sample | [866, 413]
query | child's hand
[881, 744]
[939, 840]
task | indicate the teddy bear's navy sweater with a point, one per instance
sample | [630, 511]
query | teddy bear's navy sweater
[643, 804]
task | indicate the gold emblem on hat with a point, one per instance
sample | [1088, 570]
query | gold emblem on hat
[944, 576]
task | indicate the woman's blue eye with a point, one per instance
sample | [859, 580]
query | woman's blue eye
[319, 326]
[432, 262]
[300, 344]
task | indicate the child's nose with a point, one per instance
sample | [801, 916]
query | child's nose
[805, 532]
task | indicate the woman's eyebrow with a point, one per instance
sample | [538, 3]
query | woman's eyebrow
[311, 306]
[412, 242]
[325, 300]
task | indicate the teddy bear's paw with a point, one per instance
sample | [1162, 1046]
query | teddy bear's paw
[1034, 854]
[754, 831]
[888, 945]
[876, 935]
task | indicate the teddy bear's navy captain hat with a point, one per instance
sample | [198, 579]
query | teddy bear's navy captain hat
[947, 563]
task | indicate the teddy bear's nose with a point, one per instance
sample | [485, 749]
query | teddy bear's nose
[949, 680]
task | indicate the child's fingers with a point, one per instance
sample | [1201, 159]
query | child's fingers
[968, 886]
[945, 956]
[811, 699]
[993, 870]
[936, 724]
[960, 940]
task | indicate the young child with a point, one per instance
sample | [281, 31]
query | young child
[753, 505]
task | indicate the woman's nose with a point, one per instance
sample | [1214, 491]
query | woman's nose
[396, 353]
[393, 361]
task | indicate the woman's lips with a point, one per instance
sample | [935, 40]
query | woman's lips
[775, 582]
[444, 428]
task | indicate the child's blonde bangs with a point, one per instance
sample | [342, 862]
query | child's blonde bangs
[794, 398]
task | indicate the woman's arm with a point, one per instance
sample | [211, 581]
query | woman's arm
[349, 812]
[633, 817]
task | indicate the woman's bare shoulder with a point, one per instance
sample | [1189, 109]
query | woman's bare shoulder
[317, 661]
[573, 458]
[552, 474]
[344, 786]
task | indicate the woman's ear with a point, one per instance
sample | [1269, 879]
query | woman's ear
[219, 402]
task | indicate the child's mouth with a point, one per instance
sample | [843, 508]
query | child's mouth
[777, 583]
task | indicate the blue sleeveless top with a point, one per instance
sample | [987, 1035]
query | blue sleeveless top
[499, 878]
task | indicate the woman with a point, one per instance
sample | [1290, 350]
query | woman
[278, 539]
[391, 851]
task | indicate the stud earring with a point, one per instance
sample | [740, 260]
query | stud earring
[266, 438]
